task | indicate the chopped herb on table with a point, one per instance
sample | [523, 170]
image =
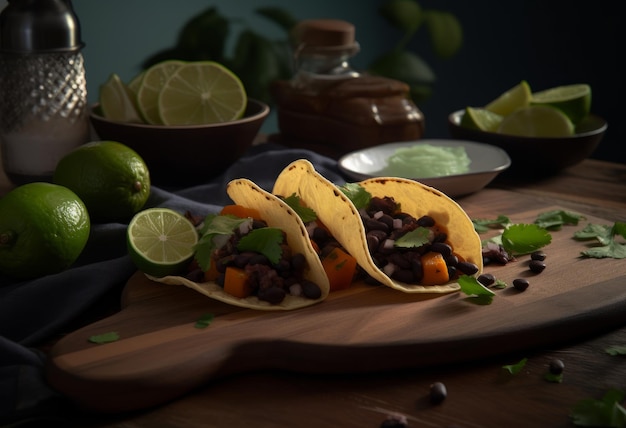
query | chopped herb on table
[606, 412]
[105, 337]
[517, 367]
[606, 236]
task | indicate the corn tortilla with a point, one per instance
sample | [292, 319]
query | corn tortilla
[342, 218]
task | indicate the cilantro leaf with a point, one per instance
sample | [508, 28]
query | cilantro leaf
[616, 350]
[357, 194]
[517, 367]
[554, 220]
[413, 239]
[554, 378]
[518, 239]
[305, 213]
[605, 235]
[105, 337]
[204, 321]
[265, 240]
[475, 290]
[607, 412]
[482, 225]
[215, 232]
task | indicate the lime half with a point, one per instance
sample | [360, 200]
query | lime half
[480, 118]
[161, 241]
[516, 97]
[117, 102]
[537, 121]
[573, 100]
[201, 93]
[150, 87]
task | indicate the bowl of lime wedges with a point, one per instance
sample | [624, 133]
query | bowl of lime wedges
[543, 132]
[189, 121]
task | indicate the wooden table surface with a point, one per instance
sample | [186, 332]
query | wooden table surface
[480, 393]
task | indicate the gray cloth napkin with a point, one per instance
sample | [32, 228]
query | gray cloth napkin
[36, 311]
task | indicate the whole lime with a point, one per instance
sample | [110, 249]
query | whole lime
[111, 178]
[44, 227]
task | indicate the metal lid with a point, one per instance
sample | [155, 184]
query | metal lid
[36, 26]
[323, 36]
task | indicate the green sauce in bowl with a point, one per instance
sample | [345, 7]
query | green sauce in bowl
[425, 160]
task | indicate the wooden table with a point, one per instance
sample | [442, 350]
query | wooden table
[480, 393]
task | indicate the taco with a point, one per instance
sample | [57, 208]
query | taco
[427, 242]
[256, 254]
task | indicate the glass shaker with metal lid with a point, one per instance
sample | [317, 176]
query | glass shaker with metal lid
[43, 94]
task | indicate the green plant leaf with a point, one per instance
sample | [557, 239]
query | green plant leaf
[206, 32]
[445, 31]
[517, 367]
[278, 16]
[404, 66]
[405, 15]
[257, 64]
[519, 239]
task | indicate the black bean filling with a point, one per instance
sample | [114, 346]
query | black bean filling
[271, 282]
[385, 223]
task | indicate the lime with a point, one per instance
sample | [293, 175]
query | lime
[573, 100]
[135, 84]
[480, 118]
[117, 102]
[537, 121]
[516, 97]
[150, 88]
[161, 241]
[200, 93]
[112, 179]
[43, 229]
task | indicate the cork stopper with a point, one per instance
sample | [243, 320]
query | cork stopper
[323, 36]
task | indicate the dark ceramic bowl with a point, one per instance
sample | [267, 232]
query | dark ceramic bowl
[181, 156]
[534, 156]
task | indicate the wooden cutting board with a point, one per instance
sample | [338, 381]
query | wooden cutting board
[161, 355]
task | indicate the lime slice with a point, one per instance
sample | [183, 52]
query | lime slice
[202, 92]
[161, 241]
[116, 102]
[537, 121]
[516, 97]
[150, 88]
[481, 119]
[135, 83]
[573, 100]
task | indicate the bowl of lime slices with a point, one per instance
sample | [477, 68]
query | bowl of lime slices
[543, 132]
[189, 121]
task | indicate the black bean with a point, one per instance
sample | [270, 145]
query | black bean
[556, 366]
[521, 284]
[298, 261]
[536, 266]
[486, 279]
[467, 268]
[442, 248]
[538, 255]
[310, 289]
[259, 259]
[273, 295]
[452, 260]
[320, 235]
[426, 221]
[438, 392]
[403, 275]
[395, 421]
[400, 260]
[372, 241]
[387, 219]
[417, 269]
[373, 224]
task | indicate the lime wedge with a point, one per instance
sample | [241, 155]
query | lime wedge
[161, 241]
[481, 119]
[516, 97]
[201, 93]
[573, 100]
[537, 121]
[116, 102]
[150, 88]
